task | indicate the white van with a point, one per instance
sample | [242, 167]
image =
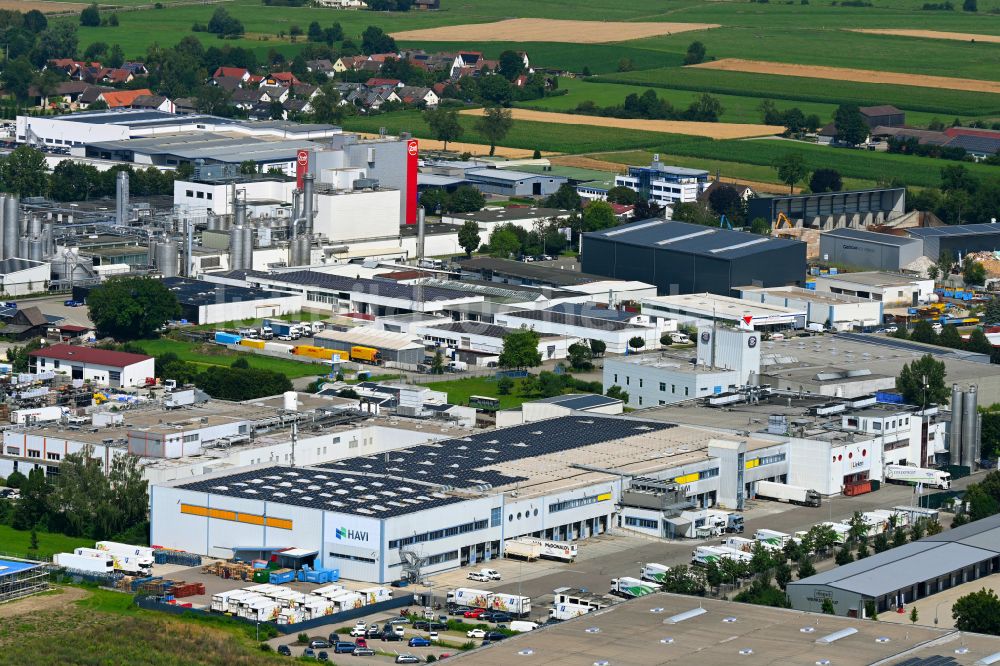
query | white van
[777, 336]
[523, 625]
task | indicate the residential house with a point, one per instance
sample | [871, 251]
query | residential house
[184, 105]
[67, 94]
[154, 102]
[228, 83]
[232, 72]
[304, 91]
[118, 76]
[744, 191]
[262, 111]
[371, 99]
[90, 95]
[137, 68]
[418, 96]
[254, 81]
[298, 106]
[323, 66]
[376, 82]
[348, 63]
[244, 99]
[268, 94]
[284, 79]
[72, 68]
[122, 98]
[26, 323]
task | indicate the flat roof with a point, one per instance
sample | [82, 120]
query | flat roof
[511, 213]
[874, 279]
[579, 400]
[954, 230]
[508, 174]
[200, 292]
[374, 286]
[636, 632]
[591, 309]
[210, 145]
[871, 237]
[874, 190]
[141, 116]
[529, 271]
[8, 266]
[582, 321]
[478, 328]
[371, 337]
[691, 238]
[10, 567]
[728, 306]
[811, 295]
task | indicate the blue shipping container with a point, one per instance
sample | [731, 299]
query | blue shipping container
[227, 338]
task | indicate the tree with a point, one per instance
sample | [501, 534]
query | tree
[850, 125]
[504, 385]
[857, 527]
[59, 40]
[90, 17]
[978, 342]
[791, 169]
[494, 125]
[437, 363]
[375, 40]
[973, 272]
[704, 108]
[725, 200]
[580, 356]
[96, 51]
[224, 24]
[695, 54]
[923, 332]
[636, 343]
[564, 198]
[35, 21]
[880, 543]
[598, 215]
[15, 480]
[980, 502]
[510, 65]
[33, 545]
[695, 213]
[620, 194]
[760, 226]
[468, 237]
[844, 556]
[598, 347]
[806, 568]
[914, 615]
[922, 381]
[33, 504]
[783, 575]
[18, 74]
[713, 575]
[992, 311]
[520, 350]
[24, 172]
[131, 308]
[617, 393]
[871, 611]
[666, 340]
[826, 180]
[549, 384]
[466, 199]
[444, 124]
[898, 538]
[970, 6]
[72, 181]
[950, 337]
[504, 242]
[978, 612]
[681, 580]
[827, 606]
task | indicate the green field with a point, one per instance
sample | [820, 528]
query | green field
[459, 390]
[210, 354]
[18, 542]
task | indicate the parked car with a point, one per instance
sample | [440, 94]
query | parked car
[399, 630]
[72, 304]
[361, 643]
[284, 651]
[478, 576]
[419, 641]
[373, 631]
[459, 610]
[496, 616]
[356, 631]
[344, 647]
[286, 338]
[322, 656]
[475, 633]
[363, 652]
[494, 636]
[407, 659]
[319, 644]
[390, 635]
[475, 612]
[309, 652]
[892, 329]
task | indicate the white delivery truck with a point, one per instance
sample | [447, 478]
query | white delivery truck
[632, 587]
[87, 563]
[740, 543]
[567, 611]
[510, 603]
[786, 493]
[142, 554]
[129, 565]
[522, 550]
[467, 596]
[702, 555]
[771, 537]
[928, 477]
[522, 626]
[553, 550]
[653, 572]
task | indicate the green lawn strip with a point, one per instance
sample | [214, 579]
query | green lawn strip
[459, 390]
[186, 351]
[18, 542]
[946, 103]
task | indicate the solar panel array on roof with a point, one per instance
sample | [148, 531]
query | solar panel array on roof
[568, 319]
[954, 230]
[934, 660]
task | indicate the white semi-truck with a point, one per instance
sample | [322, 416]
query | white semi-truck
[928, 477]
[553, 550]
[632, 587]
[771, 537]
[522, 550]
[143, 555]
[86, 563]
[653, 572]
[129, 565]
[786, 493]
[702, 555]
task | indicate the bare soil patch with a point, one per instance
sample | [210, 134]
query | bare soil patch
[549, 30]
[847, 74]
[43, 602]
[931, 34]
[711, 130]
[42, 6]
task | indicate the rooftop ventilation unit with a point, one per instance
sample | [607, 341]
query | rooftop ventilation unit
[836, 636]
[686, 615]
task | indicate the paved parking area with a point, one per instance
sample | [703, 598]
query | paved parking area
[939, 605]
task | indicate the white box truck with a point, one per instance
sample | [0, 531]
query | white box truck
[510, 603]
[568, 611]
[142, 554]
[36, 415]
[553, 550]
[87, 563]
[928, 477]
[129, 565]
[786, 493]
[632, 587]
[772, 537]
[702, 555]
[522, 550]
[467, 596]
[653, 572]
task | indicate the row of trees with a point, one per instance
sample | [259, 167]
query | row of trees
[962, 198]
[509, 240]
[444, 124]
[793, 120]
[704, 108]
[82, 500]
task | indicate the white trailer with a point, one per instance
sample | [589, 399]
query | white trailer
[467, 596]
[740, 543]
[510, 603]
[568, 611]
[632, 587]
[129, 565]
[841, 530]
[36, 415]
[87, 563]
[553, 550]
[772, 537]
[653, 572]
[902, 518]
[917, 512]
[522, 550]
[142, 554]
[374, 595]
[786, 493]
[704, 554]
[928, 477]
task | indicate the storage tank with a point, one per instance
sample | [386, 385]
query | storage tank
[247, 248]
[291, 401]
[22, 247]
[307, 203]
[11, 226]
[4, 253]
[303, 250]
[36, 249]
[48, 240]
[955, 428]
[165, 257]
[969, 418]
[35, 226]
[236, 243]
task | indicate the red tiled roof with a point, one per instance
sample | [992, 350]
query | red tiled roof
[382, 82]
[118, 98]
[73, 328]
[238, 72]
[114, 359]
[972, 131]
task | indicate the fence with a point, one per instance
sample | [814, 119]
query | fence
[151, 603]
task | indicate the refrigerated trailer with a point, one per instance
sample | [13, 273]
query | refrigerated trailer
[653, 572]
[142, 554]
[786, 493]
[553, 550]
[522, 550]
[632, 587]
[928, 477]
[86, 563]
[125, 564]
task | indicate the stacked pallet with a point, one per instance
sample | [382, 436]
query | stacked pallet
[230, 570]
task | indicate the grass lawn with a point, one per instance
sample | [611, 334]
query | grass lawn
[19, 542]
[459, 391]
[211, 354]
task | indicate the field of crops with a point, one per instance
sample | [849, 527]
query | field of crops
[947, 103]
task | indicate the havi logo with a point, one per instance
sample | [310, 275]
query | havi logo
[344, 533]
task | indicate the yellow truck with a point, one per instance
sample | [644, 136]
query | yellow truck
[366, 355]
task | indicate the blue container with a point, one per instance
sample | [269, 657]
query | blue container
[227, 338]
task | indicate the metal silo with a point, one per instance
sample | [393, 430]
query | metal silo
[22, 247]
[4, 252]
[48, 241]
[955, 428]
[166, 257]
[35, 226]
[247, 248]
[11, 226]
[969, 419]
[304, 250]
[36, 248]
[236, 243]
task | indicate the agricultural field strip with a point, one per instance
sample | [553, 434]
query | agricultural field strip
[930, 34]
[847, 74]
[550, 30]
[711, 130]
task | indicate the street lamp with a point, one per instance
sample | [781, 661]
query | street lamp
[936, 611]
